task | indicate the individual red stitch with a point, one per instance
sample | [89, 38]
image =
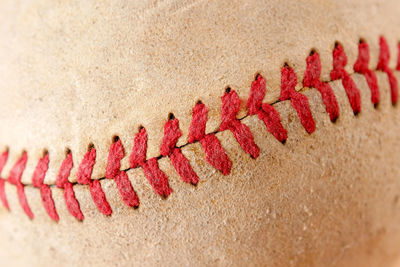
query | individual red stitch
[126, 190]
[361, 66]
[115, 156]
[311, 79]
[157, 179]
[338, 72]
[215, 154]
[17, 170]
[45, 192]
[183, 168]
[242, 133]
[84, 175]
[398, 57]
[299, 101]
[85, 169]
[23, 201]
[48, 202]
[99, 198]
[265, 112]
[383, 65]
[171, 136]
[179, 161]
[138, 155]
[3, 160]
[69, 195]
[71, 202]
[64, 172]
[15, 178]
[197, 129]
[3, 194]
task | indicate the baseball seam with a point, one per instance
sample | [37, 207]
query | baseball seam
[215, 154]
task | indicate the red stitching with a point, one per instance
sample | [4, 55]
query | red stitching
[168, 148]
[115, 155]
[338, 72]
[215, 154]
[15, 178]
[84, 175]
[3, 160]
[157, 179]
[311, 79]
[45, 192]
[69, 195]
[242, 133]
[265, 111]
[125, 188]
[383, 65]
[361, 66]
[299, 101]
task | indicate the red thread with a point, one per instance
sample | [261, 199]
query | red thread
[383, 65]
[197, 129]
[398, 57]
[265, 112]
[171, 136]
[139, 149]
[157, 179]
[84, 175]
[45, 191]
[15, 178]
[115, 155]
[361, 66]
[126, 190]
[299, 101]
[48, 202]
[71, 202]
[179, 161]
[215, 154]
[338, 72]
[183, 168]
[311, 79]
[99, 198]
[124, 186]
[242, 133]
[3, 196]
[3, 160]
[69, 195]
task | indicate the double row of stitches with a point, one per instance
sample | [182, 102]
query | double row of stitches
[215, 154]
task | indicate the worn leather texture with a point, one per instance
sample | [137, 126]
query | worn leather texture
[75, 73]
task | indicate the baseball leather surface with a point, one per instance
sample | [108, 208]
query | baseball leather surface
[199, 133]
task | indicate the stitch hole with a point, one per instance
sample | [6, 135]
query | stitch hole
[90, 146]
[171, 116]
[313, 51]
[141, 127]
[115, 138]
[45, 152]
[199, 102]
[228, 90]
[286, 65]
[337, 43]
[256, 76]
[361, 41]
[376, 105]
[67, 151]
